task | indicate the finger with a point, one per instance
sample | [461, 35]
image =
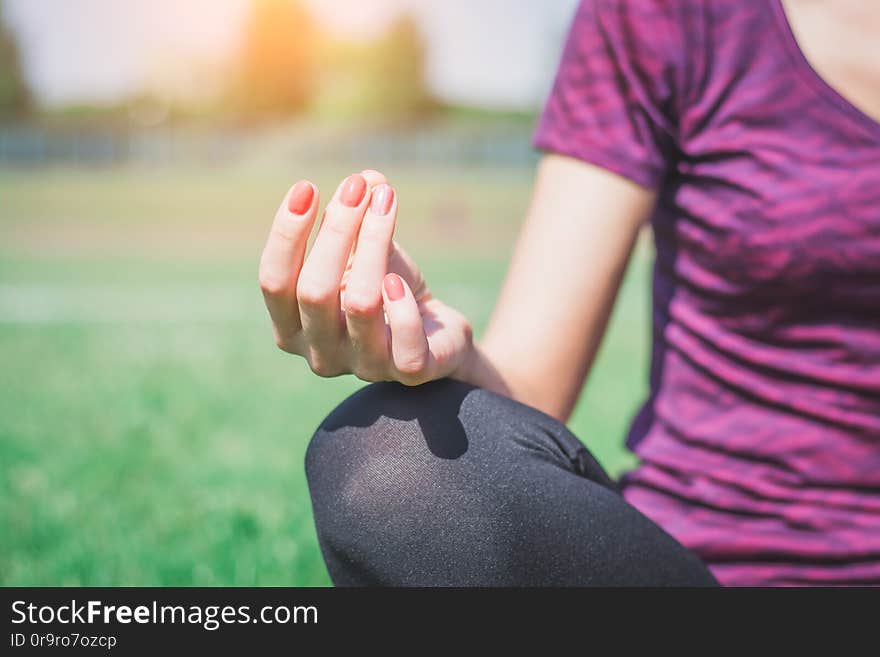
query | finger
[374, 178]
[400, 262]
[409, 345]
[363, 302]
[282, 257]
[319, 280]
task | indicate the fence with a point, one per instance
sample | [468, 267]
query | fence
[41, 146]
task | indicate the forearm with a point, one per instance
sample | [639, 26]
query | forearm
[486, 370]
[532, 368]
[560, 289]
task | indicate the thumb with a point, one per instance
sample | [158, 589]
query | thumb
[409, 344]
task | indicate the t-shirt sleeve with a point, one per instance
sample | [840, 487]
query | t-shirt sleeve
[613, 100]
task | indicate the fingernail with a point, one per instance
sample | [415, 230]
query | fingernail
[353, 190]
[383, 197]
[394, 287]
[301, 196]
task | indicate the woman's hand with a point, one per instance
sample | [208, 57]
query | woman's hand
[357, 303]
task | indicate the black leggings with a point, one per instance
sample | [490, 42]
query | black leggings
[446, 484]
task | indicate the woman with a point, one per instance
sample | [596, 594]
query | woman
[749, 135]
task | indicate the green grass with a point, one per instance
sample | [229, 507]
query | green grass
[150, 432]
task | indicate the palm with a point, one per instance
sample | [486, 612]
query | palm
[447, 330]
[449, 334]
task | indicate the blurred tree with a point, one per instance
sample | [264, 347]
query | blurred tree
[275, 71]
[398, 69]
[381, 79]
[15, 96]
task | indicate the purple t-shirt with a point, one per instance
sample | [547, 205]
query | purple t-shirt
[760, 442]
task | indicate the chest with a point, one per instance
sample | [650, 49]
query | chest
[777, 198]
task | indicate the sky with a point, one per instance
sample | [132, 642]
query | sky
[488, 53]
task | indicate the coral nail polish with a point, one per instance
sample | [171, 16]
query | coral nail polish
[301, 196]
[353, 190]
[383, 197]
[394, 287]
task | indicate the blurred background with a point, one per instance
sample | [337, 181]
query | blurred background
[150, 431]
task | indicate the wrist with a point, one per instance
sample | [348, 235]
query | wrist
[467, 366]
[477, 369]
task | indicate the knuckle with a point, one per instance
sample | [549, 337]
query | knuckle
[273, 284]
[323, 368]
[280, 342]
[286, 229]
[412, 365]
[289, 342]
[369, 374]
[361, 303]
[375, 234]
[285, 344]
[315, 293]
[338, 227]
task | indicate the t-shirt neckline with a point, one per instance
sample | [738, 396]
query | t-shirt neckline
[814, 79]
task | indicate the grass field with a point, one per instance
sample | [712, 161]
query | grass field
[150, 432]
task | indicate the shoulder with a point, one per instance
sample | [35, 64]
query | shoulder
[646, 13]
[655, 31]
[675, 25]
[673, 46]
[653, 42]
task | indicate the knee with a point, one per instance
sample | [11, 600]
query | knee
[372, 466]
[430, 484]
[382, 432]
[389, 445]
